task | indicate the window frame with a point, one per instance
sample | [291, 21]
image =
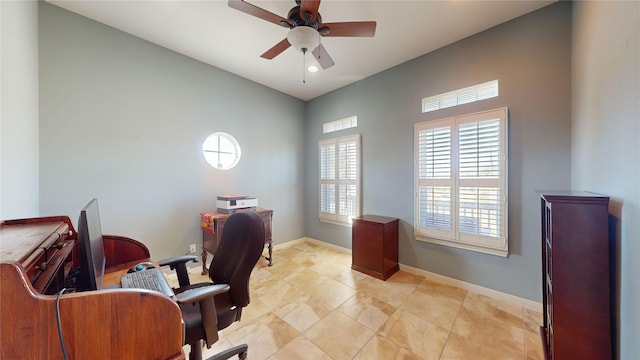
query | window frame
[336, 217]
[495, 245]
[221, 150]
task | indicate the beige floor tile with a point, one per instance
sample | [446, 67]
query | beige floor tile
[328, 269]
[532, 321]
[462, 348]
[403, 277]
[300, 348]
[332, 293]
[394, 291]
[259, 274]
[368, 311]
[439, 310]
[485, 307]
[339, 336]
[304, 312]
[309, 247]
[533, 346]
[350, 277]
[378, 348]
[406, 355]
[434, 288]
[277, 292]
[311, 305]
[481, 323]
[418, 336]
[265, 335]
[284, 267]
[306, 279]
[254, 310]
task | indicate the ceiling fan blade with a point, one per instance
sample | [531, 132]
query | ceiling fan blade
[321, 54]
[310, 7]
[261, 13]
[276, 50]
[356, 28]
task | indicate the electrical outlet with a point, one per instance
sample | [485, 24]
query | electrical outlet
[192, 248]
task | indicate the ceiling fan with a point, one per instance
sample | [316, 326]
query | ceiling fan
[306, 28]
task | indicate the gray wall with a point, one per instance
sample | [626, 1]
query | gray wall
[531, 57]
[606, 137]
[123, 120]
[604, 158]
[19, 109]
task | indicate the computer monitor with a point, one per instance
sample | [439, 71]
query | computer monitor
[90, 249]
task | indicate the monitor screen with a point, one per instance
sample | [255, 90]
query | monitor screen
[90, 248]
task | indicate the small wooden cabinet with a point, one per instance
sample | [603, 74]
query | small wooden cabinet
[375, 245]
[576, 280]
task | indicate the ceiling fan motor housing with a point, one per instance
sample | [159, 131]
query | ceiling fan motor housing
[298, 19]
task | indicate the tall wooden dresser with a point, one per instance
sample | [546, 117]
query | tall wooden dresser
[576, 280]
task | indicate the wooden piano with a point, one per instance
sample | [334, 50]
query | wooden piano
[36, 256]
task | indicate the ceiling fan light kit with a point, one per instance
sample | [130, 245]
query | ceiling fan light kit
[303, 38]
[306, 27]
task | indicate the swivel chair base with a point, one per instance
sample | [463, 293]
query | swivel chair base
[240, 350]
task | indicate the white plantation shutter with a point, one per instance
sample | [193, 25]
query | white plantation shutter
[479, 177]
[461, 181]
[328, 178]
[340, 179]
[466, 95]
[435, 181]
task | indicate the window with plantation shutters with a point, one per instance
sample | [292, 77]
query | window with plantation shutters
[339, 179]
[461, 181]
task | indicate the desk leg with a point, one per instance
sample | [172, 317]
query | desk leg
[205, 271]
[270, 258]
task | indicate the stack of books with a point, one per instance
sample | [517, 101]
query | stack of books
[229, 204]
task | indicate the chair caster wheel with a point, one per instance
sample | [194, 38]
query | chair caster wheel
[242, 355]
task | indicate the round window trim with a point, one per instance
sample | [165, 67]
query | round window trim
[221, 150]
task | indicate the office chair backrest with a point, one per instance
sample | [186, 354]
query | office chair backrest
[240, 248]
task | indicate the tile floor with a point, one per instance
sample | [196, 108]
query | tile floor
[311, 305]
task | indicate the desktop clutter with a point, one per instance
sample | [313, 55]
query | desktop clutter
[229, 204]
[142, 266]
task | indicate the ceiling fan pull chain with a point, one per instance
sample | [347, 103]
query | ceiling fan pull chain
[304, 65]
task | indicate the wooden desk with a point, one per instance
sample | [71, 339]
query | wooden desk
[42, 246]
[212, 224]
[105, 324]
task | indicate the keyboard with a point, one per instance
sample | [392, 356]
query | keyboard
[150, 279]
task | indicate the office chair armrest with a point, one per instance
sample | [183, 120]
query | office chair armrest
[178, 259]
[179, 264]
[204, 296]
[201, 293]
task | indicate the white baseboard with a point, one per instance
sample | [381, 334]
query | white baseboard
[499, 295]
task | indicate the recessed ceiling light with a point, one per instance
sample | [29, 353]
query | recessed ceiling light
[312, 68]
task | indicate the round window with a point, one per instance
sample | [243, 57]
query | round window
[221, 150]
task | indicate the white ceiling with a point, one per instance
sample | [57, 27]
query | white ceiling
[211, 32]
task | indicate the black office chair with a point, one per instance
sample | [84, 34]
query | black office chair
[210, 307]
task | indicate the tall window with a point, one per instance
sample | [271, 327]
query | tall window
[339, 179]
[461, 181]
